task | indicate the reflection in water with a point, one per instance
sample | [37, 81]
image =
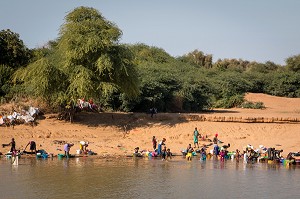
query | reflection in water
[146, 178]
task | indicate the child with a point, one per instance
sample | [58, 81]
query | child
[203, 154]
[169, 154]
[136, 152]
[222, 155]
[164, 153]
[237, 155]
[189, 151]
[154, 143]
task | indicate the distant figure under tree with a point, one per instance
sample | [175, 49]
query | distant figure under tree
[153, 111]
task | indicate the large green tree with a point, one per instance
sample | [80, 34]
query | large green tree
[87, 61]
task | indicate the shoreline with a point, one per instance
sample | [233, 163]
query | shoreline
[112, 141]
[117, 134]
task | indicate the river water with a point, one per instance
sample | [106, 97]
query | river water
[145, 178]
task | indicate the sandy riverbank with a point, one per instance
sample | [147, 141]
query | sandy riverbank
[107, 136]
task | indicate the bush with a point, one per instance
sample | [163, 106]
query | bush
[230, 102]
[252, 105]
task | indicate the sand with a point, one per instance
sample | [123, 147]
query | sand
[108, 137]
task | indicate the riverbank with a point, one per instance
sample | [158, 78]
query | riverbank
[117, 134]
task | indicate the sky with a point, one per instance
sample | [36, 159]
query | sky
[253, 30]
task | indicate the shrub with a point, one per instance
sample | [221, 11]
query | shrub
[252, 105]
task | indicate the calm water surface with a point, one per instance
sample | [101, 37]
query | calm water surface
[145, 178]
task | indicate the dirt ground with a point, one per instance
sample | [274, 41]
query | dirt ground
[117, 134]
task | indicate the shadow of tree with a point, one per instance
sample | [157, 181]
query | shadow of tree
[220, 111]
[128, 121]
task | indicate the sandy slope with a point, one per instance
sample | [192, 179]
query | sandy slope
[105, 131]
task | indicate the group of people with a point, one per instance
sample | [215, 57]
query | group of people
[159, 149]
[217, 151]
[162, 149]
[87, 105]
[13, 150]
[82, 148]
[33, 147]
[190, 152]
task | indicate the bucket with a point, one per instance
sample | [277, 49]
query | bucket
[60, 156]
[78, 151]
[45, 156]
[270, 162]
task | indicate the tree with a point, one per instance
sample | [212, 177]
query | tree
[198, 59]
[12, 50]
[13, 54]
[144, 53]
[87, 61]
[5, 74]
[293, 63]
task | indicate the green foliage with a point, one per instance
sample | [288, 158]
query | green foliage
[85, 36]
[195, 95]
[12, 50]
[230, 101]
[230, 84]
[157, 89]
[85, 61]
[284, 84]
[293, 63]
[263, 68]
[13, 54]
[257, 81]
[5, 74]
[144, 53]
[42, 79]
[231, 64]
[197, 58]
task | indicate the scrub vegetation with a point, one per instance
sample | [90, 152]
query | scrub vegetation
[88, 61]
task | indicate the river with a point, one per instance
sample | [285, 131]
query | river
[91, 178]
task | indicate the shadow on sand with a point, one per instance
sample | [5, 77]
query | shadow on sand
[128, 120]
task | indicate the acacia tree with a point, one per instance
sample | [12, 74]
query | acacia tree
[87, 61]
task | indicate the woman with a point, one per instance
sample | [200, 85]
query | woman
[67, 148]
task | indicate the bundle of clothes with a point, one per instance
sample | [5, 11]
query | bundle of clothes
[20, 118]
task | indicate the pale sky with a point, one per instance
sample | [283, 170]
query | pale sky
[253, 30]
